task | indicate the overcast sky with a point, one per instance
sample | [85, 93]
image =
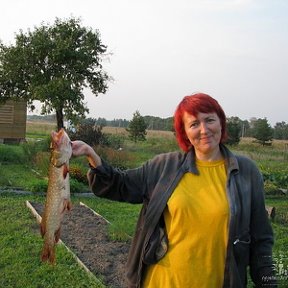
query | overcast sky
[163, 50]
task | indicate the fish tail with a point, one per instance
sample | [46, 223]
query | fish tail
[48, 253]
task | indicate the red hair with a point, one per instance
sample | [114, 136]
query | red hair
[194, 104]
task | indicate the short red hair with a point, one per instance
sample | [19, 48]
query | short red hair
[193, 104]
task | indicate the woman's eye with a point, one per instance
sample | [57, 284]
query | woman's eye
[194, 125]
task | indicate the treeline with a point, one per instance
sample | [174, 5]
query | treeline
[236, 126]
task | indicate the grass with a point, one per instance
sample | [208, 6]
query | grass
[39, 130]
[20, 247]
[122, 216]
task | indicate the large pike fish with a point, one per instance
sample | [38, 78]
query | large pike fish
[58, 193]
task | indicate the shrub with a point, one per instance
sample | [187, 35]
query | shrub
[88, 132]
[271, 189]
[78, 173]
[114, 141]
[11, 154]
[275, 176]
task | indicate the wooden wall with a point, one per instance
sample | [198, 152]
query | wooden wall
[13, 121]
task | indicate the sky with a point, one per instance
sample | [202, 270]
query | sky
[162, 50]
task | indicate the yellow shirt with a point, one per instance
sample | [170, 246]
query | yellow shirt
[196, 220]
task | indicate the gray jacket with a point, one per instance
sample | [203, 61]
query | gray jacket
[250, 238]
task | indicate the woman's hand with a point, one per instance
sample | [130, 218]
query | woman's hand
[80, 148]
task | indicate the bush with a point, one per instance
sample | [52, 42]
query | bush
[277, 177]
[88, 132]
[114, 141]
[271, 189]
[11, 154]
[78, 173]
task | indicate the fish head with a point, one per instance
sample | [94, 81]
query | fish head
[61, 147]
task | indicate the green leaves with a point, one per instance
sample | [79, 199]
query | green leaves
[137, 128]
[53, 64]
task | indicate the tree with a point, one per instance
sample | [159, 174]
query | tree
[262, 131]
[281, 130]
[53, 64]
[137, 127]
[234, 126]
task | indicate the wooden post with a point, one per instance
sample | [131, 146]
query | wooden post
[271, 211]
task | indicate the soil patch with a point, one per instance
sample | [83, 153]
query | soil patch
[86, 235]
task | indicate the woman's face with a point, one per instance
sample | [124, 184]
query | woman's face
[204, 133]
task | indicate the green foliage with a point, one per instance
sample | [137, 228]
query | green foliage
[31, 148]
[279, 177]
[234, 130]
[36, 185]
[77, 187]
[118, 158]
[78, 173]
[160, 124]
[122, 216]
[11, 154]
[89, 132]
[52, 64]
[114, 141]
[262, 131]
[137, 128]
[281, 130]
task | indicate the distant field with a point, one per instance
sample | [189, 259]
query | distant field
[39, 127]
[45, 128]
[150, 133]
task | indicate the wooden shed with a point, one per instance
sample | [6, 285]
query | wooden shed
[13, 117]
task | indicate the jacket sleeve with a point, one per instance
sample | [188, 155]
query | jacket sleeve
[112, 183]
[261, 264]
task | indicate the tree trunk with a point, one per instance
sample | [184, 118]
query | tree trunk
[59, 117]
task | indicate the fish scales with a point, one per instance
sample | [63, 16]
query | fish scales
[58, 194]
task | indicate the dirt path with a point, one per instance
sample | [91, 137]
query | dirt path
[86, 235]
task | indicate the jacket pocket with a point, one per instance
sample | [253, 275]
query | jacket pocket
[241, 247]
[157, 245]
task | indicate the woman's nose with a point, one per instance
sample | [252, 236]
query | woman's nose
[203, 127]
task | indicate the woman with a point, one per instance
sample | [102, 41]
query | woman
[203, 220]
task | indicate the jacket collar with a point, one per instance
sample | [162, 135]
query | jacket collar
[189, 164]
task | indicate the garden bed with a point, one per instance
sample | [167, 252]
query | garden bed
[85, 234]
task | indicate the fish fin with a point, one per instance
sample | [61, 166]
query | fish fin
[48, 253]
[57, 235]
[67, 205]
[42, 228]
[65, 171]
